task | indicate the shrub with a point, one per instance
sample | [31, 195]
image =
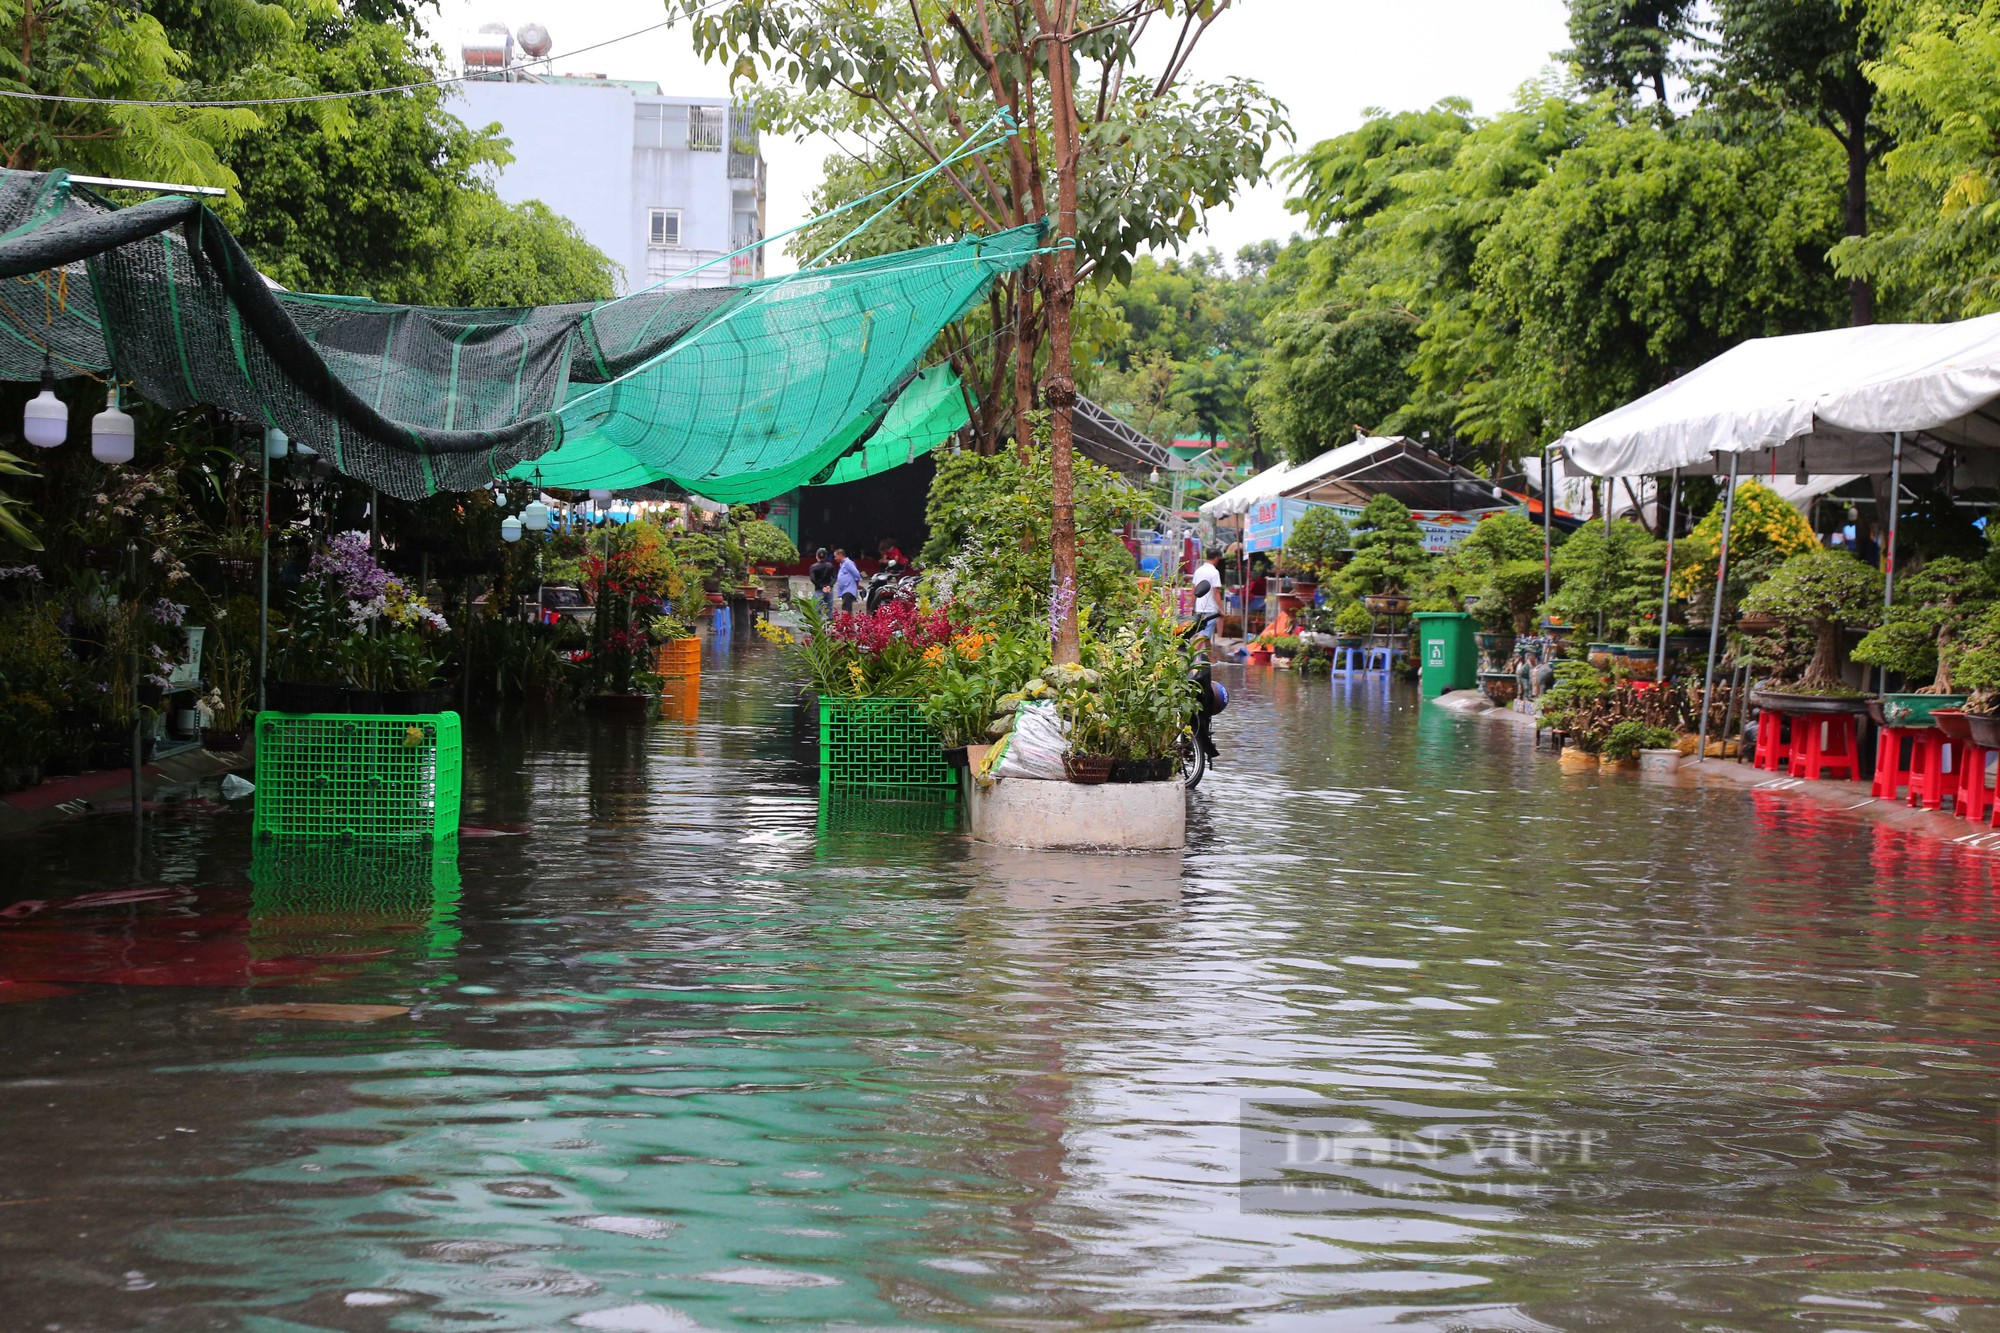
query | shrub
[1354, 619]
[1627, 738]
[1318, 541]
[1820, 592]
[1933, 609]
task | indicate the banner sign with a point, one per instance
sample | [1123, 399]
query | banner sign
[1269, 523]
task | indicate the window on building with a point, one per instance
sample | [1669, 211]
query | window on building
[705, 128]
[664, 227]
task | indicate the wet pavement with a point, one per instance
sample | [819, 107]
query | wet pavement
[1421, 1032]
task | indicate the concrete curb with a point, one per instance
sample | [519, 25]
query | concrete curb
[1849, 798]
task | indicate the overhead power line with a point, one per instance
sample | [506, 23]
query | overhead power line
[25, 96]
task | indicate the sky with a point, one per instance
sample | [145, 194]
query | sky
[1329, 61]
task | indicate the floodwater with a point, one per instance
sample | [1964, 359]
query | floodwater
[1422, 1032]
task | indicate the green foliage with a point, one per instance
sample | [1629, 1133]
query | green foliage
[1820, 591]
[1353, 621]
[1763, 530]
[1389, 554]
[1933, 609]
[1577, 686]
[989, 537]
[1627, 738]
[1622, 46]
[765, 543]
[37, 675]
[1512, 591]
[1617, 576]
[971, 675]
[13, 512]
[1318, 542]
[1142, 672]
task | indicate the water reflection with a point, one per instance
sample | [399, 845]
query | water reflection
[695, 1047]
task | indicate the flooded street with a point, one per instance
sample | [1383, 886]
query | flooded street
[688, 1049]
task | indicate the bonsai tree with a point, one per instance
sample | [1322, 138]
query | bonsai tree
[1353, 622]
[1764, 531]
[1977, 664]
[1318, 542]
[1508, 598]
[1933, 609]
[765, 543]
[1819, 592]
[1615, 574]
[1389, 553]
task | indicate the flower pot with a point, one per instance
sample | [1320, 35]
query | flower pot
[1659, 761]
[225, 741]
[1089, 768]
[1952, 722]
[1985, 730]
[1387, 604]
[1577, 761]
[1604, 656]
[954, 755]
[433, 700]
[1640, 663]
[1556, 632]
[1756, 625]
[632, 705]
[1351, 641]
[1260, 656]
[1911, 710]
[1618, 765]
[1822, 704]
[1501, 687]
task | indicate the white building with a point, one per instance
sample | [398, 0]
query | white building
[663, 185]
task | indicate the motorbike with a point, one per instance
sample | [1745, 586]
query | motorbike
[892, 583]
[1210, 697]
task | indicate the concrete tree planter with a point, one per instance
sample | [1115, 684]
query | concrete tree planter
[1076, 816]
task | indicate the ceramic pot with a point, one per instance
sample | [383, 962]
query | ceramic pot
[1910, 710]
[1985, 730]
[1088, 768]
[1953, 723]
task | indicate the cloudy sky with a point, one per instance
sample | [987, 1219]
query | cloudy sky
[1327, 60]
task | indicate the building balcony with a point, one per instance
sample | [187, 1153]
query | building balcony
[674, 266]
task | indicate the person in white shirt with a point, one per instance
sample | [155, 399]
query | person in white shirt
[1208, 605]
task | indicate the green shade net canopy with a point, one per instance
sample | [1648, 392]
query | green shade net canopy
[927, 409]
[706, 386]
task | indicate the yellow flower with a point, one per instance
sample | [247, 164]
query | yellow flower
[859, 677]
[934, 654]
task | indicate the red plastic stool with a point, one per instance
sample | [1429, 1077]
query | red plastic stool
[1826, 747]
[1974, 796]
[1892, 770]
[1932, 771]
[1774, 749]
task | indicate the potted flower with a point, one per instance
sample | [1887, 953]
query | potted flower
[1816, 595]
[1933, 609]
[1627, 741]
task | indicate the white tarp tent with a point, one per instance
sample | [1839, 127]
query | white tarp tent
[1288, 479]
[1239, 498]
[1819, 402]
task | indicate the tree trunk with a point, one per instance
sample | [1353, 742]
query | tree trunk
[1024, 362]
[1825, 666]
[1941, 684]
[1058, 301]
[1860, 296]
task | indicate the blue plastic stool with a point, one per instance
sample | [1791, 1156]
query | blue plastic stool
[1386, 657]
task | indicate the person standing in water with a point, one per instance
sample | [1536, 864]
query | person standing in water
[821, 574]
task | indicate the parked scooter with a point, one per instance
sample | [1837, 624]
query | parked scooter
[1211, 697]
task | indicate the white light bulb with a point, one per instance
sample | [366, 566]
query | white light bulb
[510, 529]
[111, 435]
[276, 443]
[535, 518]
[45, 420]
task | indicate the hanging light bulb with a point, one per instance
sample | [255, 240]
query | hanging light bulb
[1153, 477]
[276, 443]
[45, 420]
[510, 528]
[535, 518]
[111, 434]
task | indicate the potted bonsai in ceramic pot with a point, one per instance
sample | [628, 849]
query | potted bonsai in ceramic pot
[1353, 626]
[1390, 559]
[1933, 610]
[1976, 668]
[1816, 595]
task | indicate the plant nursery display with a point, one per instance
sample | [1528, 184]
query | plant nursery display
[1932, 610]
[1816, 595]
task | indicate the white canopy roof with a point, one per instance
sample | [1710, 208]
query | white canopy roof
[1238, 498]
[1288, 479]
[1827, 402]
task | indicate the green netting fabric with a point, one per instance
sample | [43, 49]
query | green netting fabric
[700, 385]
[927, 409]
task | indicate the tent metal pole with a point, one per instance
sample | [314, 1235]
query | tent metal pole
[1889, 551]
[1715, 611]
[1548, 516]
[1667, 580]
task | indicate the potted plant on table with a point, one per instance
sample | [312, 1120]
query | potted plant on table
[1817, 595]
[1353, 625]
[1933, 610]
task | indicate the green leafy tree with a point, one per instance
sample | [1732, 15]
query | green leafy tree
[1318, 542]
[1616, 576]
[1117, 157]
[1932, 610]
[1389, 552]
[1820, 592]
[1622, 46]
[1808, 59]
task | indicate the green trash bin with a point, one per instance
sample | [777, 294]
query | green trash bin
[1447, 651]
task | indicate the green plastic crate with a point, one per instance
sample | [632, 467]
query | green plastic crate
[358, 775]
[879, 743]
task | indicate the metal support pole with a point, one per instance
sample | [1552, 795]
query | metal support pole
[1667, 581]
[264, 584]
[1889, 551]
[1715, 611]
[1548, 517]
